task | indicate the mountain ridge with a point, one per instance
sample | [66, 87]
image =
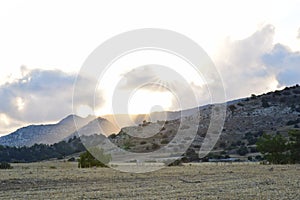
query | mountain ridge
[243, 115]
[44, 133]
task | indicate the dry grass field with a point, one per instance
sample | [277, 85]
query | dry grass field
[63, 180]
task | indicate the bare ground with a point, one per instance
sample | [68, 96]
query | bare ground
[201, 181]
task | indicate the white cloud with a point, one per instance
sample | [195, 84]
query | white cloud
[241, 67]
[256, 65]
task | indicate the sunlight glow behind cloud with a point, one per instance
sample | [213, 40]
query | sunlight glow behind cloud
[252, 56]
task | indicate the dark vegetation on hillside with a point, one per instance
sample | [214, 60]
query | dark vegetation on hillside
[278, 149]
[5, 165]
[275, 113]
[39, 152]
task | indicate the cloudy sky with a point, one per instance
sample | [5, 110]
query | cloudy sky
[255, 47]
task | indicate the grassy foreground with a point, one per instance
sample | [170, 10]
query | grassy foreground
[63, 180]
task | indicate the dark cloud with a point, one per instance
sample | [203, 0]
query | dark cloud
[138, 76]
[41, 95]
[284, 63]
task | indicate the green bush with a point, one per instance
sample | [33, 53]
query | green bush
[87, 159]
[242, 151]
[294, 145]
[164, 142]
[5, 165]
[274, 148]
[176, 163]
[127, 145]
[72, 159]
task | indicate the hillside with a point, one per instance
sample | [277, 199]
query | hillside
[40, 152]
[44, 134]
[66, 129]
[246, 120]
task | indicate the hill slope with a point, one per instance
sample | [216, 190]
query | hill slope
[46, 134]
[246, 120]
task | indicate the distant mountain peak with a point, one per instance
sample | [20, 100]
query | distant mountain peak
[47, 134]
[69, 118]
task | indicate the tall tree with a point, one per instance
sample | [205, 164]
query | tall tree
[274, 148]
[294, 145]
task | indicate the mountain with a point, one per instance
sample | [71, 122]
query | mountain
[96, 126]
[40, 152]
[46, 134]
[246, 120]
[123, 120]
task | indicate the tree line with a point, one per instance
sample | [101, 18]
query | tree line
[39, 152]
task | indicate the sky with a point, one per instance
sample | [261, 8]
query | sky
[255, 46]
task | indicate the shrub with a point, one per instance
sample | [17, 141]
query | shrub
[232, 108]
[176, 163]
[222, 144]
[164, 142]
[265, 103]
[253, 150]
[71, 159]
[165, 136]
[112, 136]
[155, 146]
[293, 122]
[240, 104]
[242, 151]
[239, 143]
[87, 160]
[127, 144]
[258, 157]
[258, 134]
[296, 91]
[5, 165]
[251, 140]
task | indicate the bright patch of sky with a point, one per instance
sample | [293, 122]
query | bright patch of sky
[255, 46]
